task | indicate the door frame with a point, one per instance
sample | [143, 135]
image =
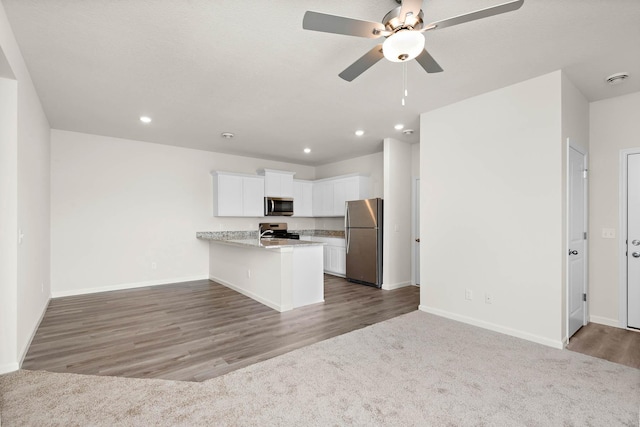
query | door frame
[585, 286]
[415, 212]
[622, 238]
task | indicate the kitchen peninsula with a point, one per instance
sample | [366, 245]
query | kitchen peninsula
[280, 273]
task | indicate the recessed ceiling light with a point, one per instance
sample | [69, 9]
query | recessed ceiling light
[227, 135]
[145, 119]
[617, 78]
[307, 150]
[408, 131]
[399, 126]
[359, 132]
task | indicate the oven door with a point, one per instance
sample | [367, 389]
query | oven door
[278, 206]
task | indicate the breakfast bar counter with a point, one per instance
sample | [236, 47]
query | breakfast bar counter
[280, 273]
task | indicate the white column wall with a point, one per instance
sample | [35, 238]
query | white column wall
[491, 210]
[8, 224]
[31, 186]
[396, 264]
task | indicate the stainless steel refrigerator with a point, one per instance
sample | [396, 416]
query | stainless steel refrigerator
[363, 234]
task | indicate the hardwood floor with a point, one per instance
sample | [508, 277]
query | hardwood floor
[605, 342]
[196, 330]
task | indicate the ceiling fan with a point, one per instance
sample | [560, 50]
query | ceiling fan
[402, 27]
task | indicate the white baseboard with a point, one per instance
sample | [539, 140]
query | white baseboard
[493, 327]
[605, 321]
[393, 286]
[251, 295]
[121, 286]
[33, 333]
[9, 367]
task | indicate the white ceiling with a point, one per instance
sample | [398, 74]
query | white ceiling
[202, 67]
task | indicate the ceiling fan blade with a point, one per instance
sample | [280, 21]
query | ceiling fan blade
[478, 14]
[428, 63]
[363, 64]
[409, 6]
[339, 25]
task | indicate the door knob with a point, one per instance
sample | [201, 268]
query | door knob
[636, 254]
[635, 242]
[418, 240]
[574, 252]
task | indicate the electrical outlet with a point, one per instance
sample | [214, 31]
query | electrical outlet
[154, 266]
[488, 299]
[468, 294]
[608, 233]
[248, 273]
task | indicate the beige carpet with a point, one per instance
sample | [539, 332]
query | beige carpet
[416, 369]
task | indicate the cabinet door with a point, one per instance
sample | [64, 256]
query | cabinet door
[352, 187]
[278, 184]
[341, 260]
[229, 196]
[272, 185]
[302, 198]
[298, 198]
[339, 197]
[286, 185]
[253, 197]
[323, 199]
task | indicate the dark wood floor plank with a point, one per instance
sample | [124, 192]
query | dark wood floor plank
[196, 330]
[606, 342]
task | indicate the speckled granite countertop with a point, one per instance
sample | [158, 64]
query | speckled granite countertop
[246, 235]
[268, 243]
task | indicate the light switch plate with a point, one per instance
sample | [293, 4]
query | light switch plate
[608, 233]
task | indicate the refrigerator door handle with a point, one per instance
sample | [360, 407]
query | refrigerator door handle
[348, 238]
[347, 223]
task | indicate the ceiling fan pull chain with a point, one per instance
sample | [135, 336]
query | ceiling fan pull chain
[405, 91]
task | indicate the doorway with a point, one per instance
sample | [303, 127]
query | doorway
[576, 238]
[415, 231]
[630, 240]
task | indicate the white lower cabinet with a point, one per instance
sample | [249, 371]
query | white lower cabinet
[335, 254]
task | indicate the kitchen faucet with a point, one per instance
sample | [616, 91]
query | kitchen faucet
[265, 232]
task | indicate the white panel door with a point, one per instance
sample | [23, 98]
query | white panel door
[576, 264]
[633, 241]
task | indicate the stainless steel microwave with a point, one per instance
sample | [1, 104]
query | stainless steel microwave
[278, 206]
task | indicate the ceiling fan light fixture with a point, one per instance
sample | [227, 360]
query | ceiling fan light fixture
[403, 46]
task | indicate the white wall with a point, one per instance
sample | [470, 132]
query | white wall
[120, 205]
[614, 125]
[371, 164]
[491, 210]
[396, 266]
[32, 202]
[8, 224]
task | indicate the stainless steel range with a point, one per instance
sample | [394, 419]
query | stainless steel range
[276, 230]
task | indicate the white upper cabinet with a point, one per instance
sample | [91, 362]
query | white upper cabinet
[237, 194]
[277, 183]
[331, 194]
[302, 198]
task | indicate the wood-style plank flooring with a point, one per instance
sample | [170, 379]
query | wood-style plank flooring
[605, 342]
[196, 330]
